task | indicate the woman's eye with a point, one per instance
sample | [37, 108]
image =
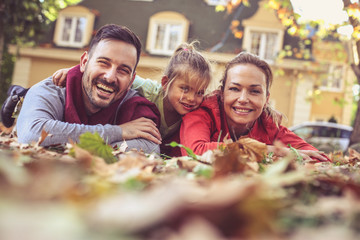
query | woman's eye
[255, 91]
[234, 89]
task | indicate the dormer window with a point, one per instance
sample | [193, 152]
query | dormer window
[74, 27]
[166, 31]
[263, 33]
[264, 43]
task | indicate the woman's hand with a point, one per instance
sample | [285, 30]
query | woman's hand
[59, 77]
[305, 154]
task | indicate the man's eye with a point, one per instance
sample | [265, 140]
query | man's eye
[124, 71]
[103, 62]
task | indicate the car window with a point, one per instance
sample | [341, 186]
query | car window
[329, 132]
[304, 132]
[345, 134]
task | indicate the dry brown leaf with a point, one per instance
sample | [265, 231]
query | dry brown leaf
[44, 134]
[237, 155]
[187, 164]
[354, 156]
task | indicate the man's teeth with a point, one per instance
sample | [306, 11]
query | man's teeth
[105, 88]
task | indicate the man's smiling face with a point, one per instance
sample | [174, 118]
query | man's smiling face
[109, 70]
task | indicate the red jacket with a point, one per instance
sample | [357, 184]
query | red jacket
[205, 128]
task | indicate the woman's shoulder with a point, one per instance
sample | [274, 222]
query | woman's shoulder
[212, 100]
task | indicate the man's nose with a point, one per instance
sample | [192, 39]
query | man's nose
[110, 74]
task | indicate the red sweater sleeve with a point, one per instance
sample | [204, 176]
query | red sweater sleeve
[196, 132]
[288, 137]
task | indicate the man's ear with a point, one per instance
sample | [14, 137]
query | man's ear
[83, 60]
[164, 82]
[132, 80]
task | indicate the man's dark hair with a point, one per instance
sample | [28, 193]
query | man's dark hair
[117, 32]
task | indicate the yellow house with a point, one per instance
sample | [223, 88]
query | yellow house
[297, 83]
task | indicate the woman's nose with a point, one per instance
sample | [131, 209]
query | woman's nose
[243, 97]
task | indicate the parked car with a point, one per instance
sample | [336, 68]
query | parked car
[325, 136]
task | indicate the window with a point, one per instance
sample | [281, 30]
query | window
[263, 33]
[166, 31]
[74, 27]
[216, 2]
[333, 80]
[263, 42]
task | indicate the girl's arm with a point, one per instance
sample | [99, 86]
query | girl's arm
[196, 132]
[59, 77]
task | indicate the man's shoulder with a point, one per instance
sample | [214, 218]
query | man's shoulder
[46, 89]
[46, 83]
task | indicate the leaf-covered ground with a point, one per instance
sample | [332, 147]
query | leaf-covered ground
[233, 193]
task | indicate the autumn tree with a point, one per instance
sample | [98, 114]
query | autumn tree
[289, 19]
[22, 22]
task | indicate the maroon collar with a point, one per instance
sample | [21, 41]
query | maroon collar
[74, 105]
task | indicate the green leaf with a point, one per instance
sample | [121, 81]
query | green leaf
[188, 150]
[299, 158]
[93, 143]
[204, 171]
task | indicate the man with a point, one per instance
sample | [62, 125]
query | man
[97, 98]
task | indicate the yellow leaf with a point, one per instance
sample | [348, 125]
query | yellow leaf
[219, 8]
[238, 34]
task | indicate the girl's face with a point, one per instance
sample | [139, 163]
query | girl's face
[185, 95]
[244, 96]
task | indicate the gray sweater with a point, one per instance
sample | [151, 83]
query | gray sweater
[43, 108]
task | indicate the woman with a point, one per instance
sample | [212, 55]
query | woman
[240, 109]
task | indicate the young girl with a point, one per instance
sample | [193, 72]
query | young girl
[239, 109]
[181, 91]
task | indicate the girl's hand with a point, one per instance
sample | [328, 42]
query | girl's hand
[59, 77]
[141, 128]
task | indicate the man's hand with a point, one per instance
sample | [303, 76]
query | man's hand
[59, 77]
[141, 128]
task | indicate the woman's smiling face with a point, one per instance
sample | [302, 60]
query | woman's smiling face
[245, 96]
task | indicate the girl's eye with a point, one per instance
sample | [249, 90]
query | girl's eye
[200, 93]
[185, 89]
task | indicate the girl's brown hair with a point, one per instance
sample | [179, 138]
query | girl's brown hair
[188, 62]
[249, 58]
